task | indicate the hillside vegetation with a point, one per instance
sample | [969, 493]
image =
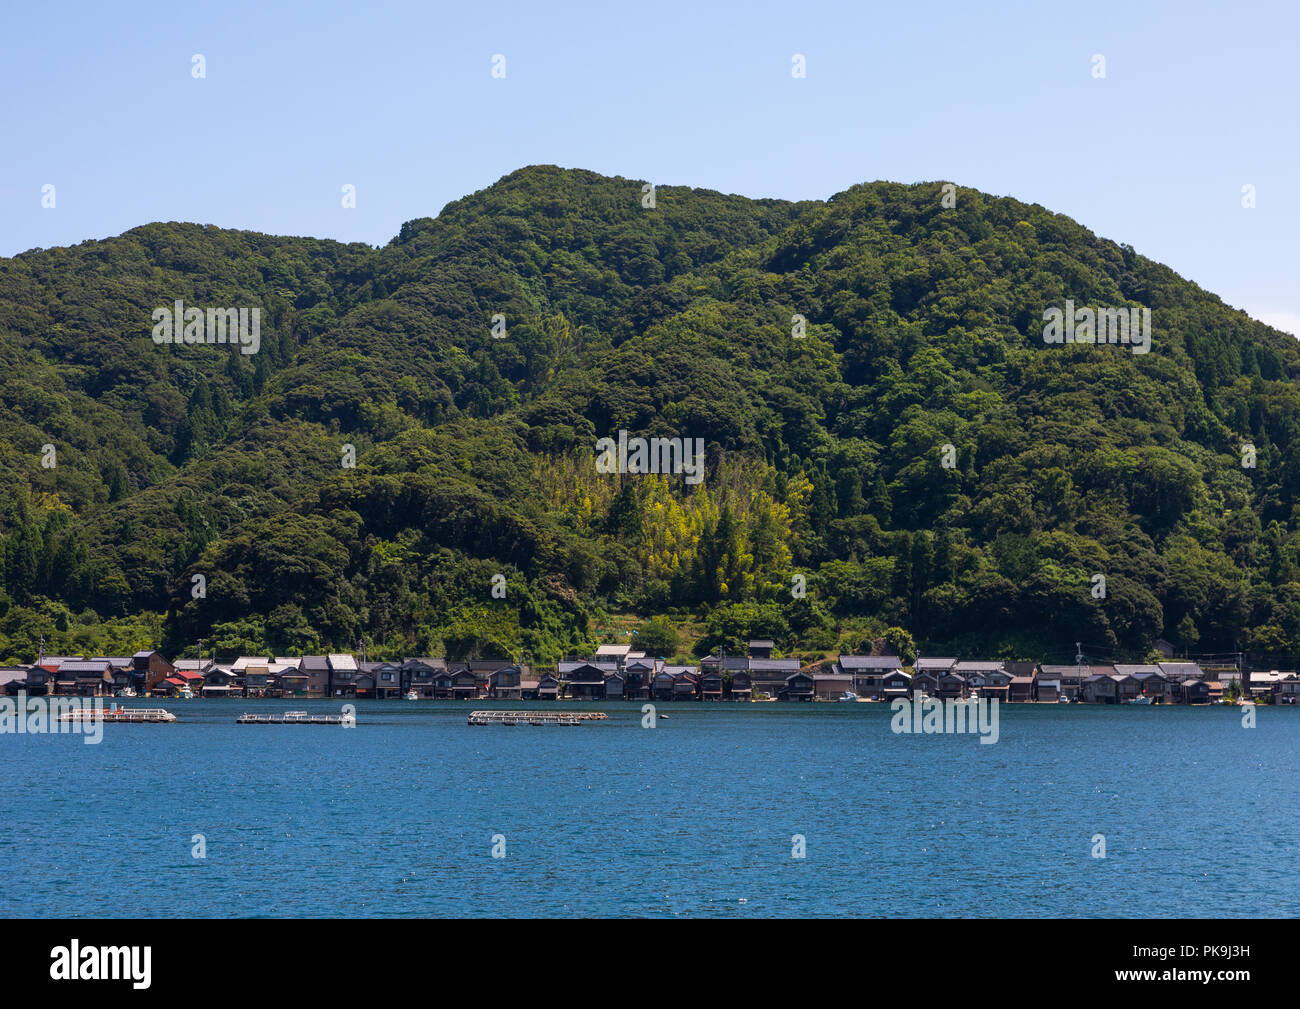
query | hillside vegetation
[474, 455]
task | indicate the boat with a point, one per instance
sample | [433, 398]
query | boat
[126, 692]
[186, 694]
[848, 696]
[1141, 699]
[411, 695]
[1062, 700]
[509, 721]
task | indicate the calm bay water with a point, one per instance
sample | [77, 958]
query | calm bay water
[693, 818]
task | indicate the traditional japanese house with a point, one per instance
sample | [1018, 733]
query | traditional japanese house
[257, 680]
[614, 685]
[614, 655]
[584, 680]
[637, 675]
[464, 684]
[363, 684]
[799, 686]
[951, 686]
[1196, 692]
[686, 683]
[1287, 690]
[761, 648]
[169, 686]
[148, 667]
[831, 685]
[221, 682]
[926, 683]
[867, 672]
[1177, 676]
[483, 670]
[895, 684]
[1047, 684]
[1154, 685]
[505, 683]
[343, 674]
[741, 686]
[548, 687]
[289, 676]
[13, 679]
[664, 685]
[771, 676]
[935, 666]
[418, 674]
[711, 685]
[388, 678]
[85, 677]
[1100, 688]
[317, 670]
[989, 679]
[1021, 689]
[1131, 679]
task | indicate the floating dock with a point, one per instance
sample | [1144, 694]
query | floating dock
[535, 717]
[294, 718]
[153, 715]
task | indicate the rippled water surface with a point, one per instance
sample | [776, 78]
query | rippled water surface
[695, 817]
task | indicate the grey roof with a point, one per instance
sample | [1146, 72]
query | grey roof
[432, 663]
[1124, 669]
[774, 665]
[982, 666]
[1182, 670]
[314, 663]
[928, 663]
[870, 662]
[83, 666]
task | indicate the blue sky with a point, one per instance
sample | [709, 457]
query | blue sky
[398, 100]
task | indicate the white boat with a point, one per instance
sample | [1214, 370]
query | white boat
[126, 692]
[1142, 699]
[186, 694]
[411, 695]
[1062, 700]
[848, 695]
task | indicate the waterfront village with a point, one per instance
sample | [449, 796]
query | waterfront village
[618, 672]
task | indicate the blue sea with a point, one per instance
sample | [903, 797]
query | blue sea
[696, 817]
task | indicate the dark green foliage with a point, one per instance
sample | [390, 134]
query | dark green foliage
[825, 453]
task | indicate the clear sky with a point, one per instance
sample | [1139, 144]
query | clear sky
[398, 100]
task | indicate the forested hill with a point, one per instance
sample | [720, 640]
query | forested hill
[826, 452]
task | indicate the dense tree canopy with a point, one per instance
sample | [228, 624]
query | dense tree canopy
[907, 461]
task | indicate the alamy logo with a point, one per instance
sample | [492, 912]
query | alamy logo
[34, 716]
[102, 963]
[654, 455]
[926, 715]
[1131, 326]
[220, 325]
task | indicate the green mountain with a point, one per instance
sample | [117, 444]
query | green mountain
[917, 458]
